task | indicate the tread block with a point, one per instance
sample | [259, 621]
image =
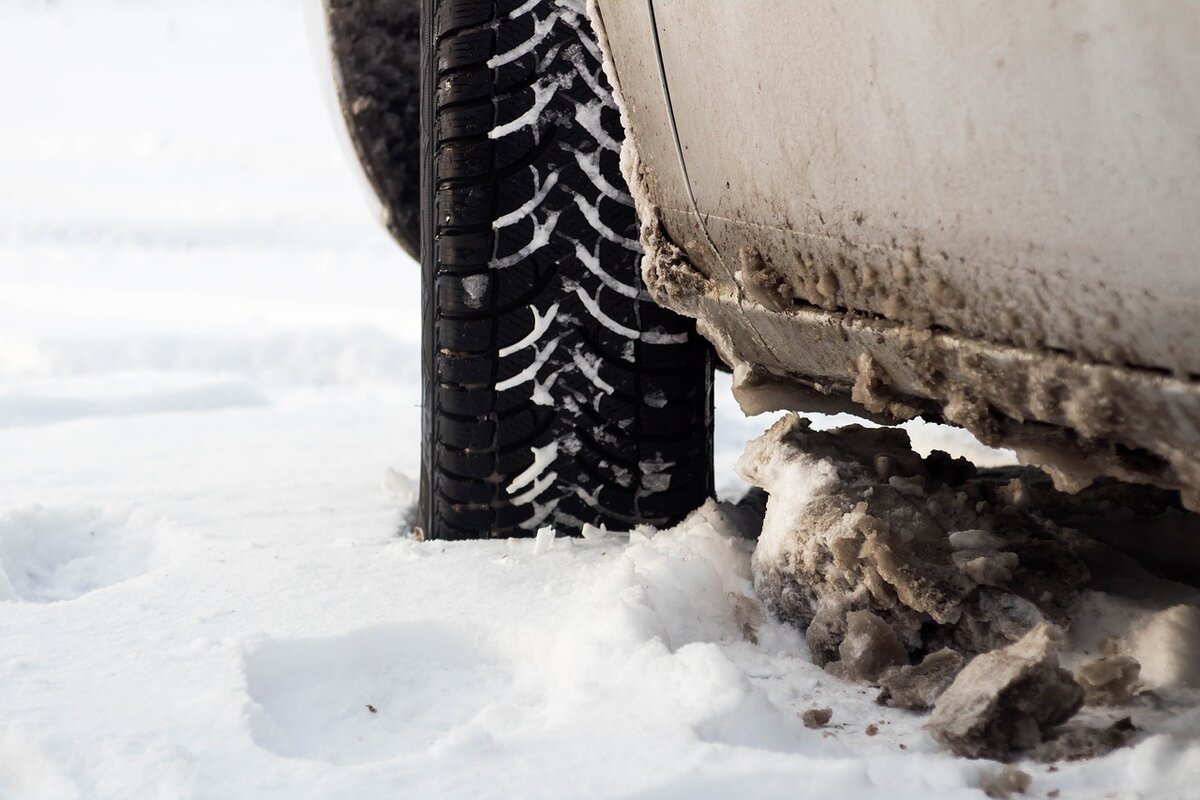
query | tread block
[466, 49]
[458, 251]
[468, 401]
[464, 87]
[462, 160]
[462, 122]
[474, 336]
[452, 16]
[463, 206]
[468, 435]
[470, 492]
[464, 370]
[478, 465]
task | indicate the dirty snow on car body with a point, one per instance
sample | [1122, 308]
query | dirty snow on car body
[209, 389]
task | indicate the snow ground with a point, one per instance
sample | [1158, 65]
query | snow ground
[208, 362]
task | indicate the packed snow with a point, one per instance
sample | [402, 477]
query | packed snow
[209, 426]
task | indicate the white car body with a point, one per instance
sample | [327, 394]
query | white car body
[977, 212]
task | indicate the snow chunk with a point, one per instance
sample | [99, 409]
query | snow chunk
[544, 540]
[476, 287]
[655, 477]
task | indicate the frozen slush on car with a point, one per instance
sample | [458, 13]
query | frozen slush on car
[958, 212]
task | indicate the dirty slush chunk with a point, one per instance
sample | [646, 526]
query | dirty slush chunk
[1109, 680]
[917, 686]
[883, 557]
[1006, 783]
[817, 717]
[1008, 701]
[1076, 741]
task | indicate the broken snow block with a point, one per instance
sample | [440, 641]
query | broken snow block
[1006, 702]
[1109, 680]
[943, 555]
[918, 686]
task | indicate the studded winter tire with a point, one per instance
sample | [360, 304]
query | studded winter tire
[556, 392]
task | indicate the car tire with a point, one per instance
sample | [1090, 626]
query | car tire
[555, 391]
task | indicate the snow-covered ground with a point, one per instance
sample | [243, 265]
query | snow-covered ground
[208, 404]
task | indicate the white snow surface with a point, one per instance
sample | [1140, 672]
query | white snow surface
[209, 427]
